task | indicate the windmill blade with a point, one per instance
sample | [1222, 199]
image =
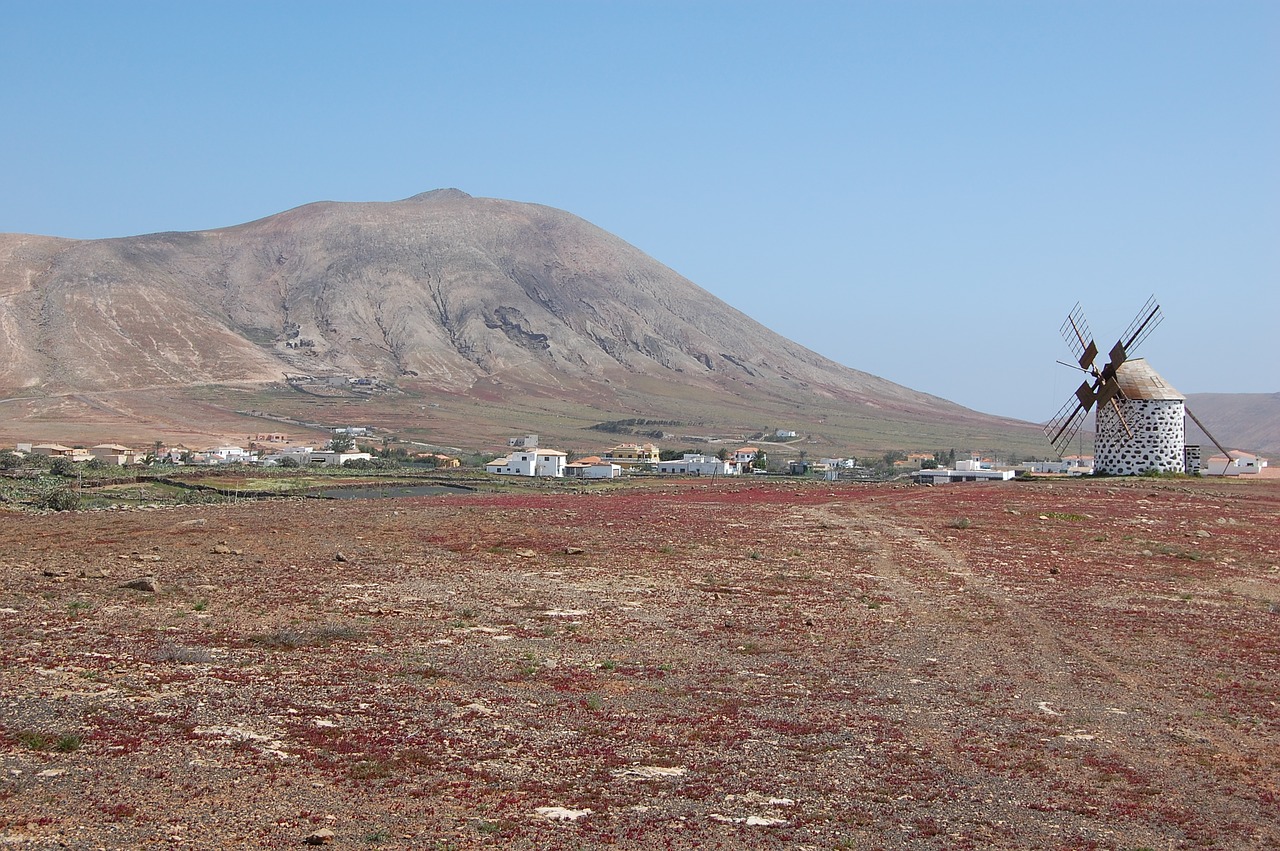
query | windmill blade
[1108, 392]
[1090, 352]
[1148, 318]
[1139, 329]
[1118, 355]
[1075, 330]
[1061, 430]
[1087, 396]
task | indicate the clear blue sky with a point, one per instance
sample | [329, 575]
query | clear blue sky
[921, 190]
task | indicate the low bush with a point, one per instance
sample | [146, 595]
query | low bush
[57, 499]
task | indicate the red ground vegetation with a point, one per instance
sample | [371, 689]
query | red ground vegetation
[1066, 664]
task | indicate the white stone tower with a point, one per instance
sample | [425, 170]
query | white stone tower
[1154, 413]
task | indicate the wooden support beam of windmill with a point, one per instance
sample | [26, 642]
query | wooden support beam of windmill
[1208, 434]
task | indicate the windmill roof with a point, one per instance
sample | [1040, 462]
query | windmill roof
[1138, 380]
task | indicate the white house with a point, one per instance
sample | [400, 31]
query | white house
[175, 455]
[1240, 463]
[550, 462]
[1079, 462]
[972, 474]
[784, 432]
[693, 464]
[592, 467]
[225, 455]
[336, 459]
[530, 462]
[1071, 465]
[1045, 466]
[745, 455]
[301, 454]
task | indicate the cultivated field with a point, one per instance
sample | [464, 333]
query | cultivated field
[1082, 664]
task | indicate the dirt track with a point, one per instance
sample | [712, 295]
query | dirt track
[1083, 664]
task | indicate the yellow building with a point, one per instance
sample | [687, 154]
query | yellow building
[632, 455]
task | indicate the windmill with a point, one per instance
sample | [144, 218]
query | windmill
[1139, 416]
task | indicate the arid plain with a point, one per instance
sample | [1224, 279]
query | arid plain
[1065, 664]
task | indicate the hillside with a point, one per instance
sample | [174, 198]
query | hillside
[502, 315]
[1248, 421]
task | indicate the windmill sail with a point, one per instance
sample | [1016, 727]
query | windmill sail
[1104, 389]
[1075, 330]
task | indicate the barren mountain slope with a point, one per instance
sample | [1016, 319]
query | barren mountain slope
[1249, 421]
[440, 293]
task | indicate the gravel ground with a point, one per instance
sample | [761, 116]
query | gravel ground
[1083, 664]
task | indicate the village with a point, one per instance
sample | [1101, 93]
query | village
[351, 447]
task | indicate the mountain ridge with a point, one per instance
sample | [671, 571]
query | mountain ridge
[440, 292]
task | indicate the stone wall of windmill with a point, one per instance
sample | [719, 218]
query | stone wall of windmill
[1157, 443]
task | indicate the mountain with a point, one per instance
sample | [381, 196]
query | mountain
[1248, 421]
[486, 308]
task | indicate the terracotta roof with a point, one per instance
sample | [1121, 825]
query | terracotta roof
[1238, 455]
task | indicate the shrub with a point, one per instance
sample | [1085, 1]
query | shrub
[289, 639]
[35, 741]
[193, 496]
[58, 499]
[65, 743]
[61, 466]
